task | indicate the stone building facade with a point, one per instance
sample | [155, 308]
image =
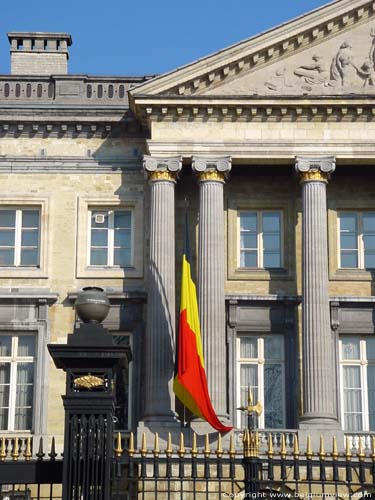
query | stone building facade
[270, 145]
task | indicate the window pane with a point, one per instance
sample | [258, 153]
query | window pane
[273, 347]
[5, 345]
[248, 240]
[101, 225]
[99, 238]
[25, 373]
[353, 422]
[273, 396]
[271, 242]
[248, 347]
[29, 257]
[7, 238]
[6, 257]
[26, 345]
[348, 222]
[371, 395]
[348, 241]
[248, 221]
[23, 419]
[7, 218]
[271, 259]
[248, 379]
[249, 259]
[122, 238]
[3, 419]
[123, 219]
[369, 260]
[4, 373]
[122, 257]
[30, 238]
[4, 394]
[30, 218]
[352, 377]
[369, 241]
[271, 222]
[98, 257]
[370, 348]
[350, 348]
[368, 222]
[349, 259]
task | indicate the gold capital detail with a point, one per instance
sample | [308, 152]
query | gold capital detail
[162, 175]
[89, 382]
[314, 175]
[211, 175]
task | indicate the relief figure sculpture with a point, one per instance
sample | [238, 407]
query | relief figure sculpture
[341, 64]
[312, 74]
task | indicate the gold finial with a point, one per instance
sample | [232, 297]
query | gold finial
[361, 453]
[156, 450]
[295, 446]
[270, 452]
[118, 449]
[373, 448]
[27, 453]
[335, 453]
[15, 452]
[144, 445]
[348, 450]
[250, 409]
[309, 452]
[322, 452]
[251, 443]
[169, 450]
[232, 449]
[131, 449]
[181, 450]
[3, 450]
[283, 446]
[206, 450]
[194, 449]
[219, 449]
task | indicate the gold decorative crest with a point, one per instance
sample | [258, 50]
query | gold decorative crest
[162, 175]
[314, 175]
[211, 175]
[89, 382]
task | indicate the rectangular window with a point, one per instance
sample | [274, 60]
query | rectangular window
[260, 239]
[357, 360]
[111, 238]
[357, 240]
[261, 368]
[19, 237]
[17, 368]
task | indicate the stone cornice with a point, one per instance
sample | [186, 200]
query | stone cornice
[266, 48]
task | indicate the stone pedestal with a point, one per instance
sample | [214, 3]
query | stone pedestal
[212, 173]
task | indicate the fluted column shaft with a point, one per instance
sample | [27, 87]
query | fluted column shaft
[159, 343]
[211, 275]
[319, 370]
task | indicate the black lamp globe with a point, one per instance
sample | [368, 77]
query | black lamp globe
[92, 305]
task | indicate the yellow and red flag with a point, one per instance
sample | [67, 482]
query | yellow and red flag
[190, 383]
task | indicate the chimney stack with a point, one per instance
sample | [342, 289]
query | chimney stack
[39, 53]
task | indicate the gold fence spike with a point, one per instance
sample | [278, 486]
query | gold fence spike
[194, 449]
[322, 452]
[270, 451]
[3, 450]
[52, 454]
[156, 450]
[219, 449]
[335, 453]
[181, 450]
[15, 452]
[348, 451]
[309, 452]
[118, 449]
[361, 453]
[131, 449]
[283, 446]
[232, 449]
[296, 451]
[27, 453]
[206, 450]
[169, 449]
[144, 445]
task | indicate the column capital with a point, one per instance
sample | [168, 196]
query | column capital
[162, 169]
[315, 168]
[212, 169]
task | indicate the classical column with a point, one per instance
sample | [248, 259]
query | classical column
[212, 173]
[159, 343]
[319, 370]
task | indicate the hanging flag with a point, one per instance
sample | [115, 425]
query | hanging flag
[190, 383]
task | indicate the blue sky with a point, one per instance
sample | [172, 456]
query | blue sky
[132, 37]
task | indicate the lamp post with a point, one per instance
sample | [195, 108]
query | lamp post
[89, 359]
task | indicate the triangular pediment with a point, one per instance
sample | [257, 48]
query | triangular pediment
[330, 51]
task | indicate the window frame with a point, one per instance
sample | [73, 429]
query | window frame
[362, 363]
[260, 362]
[260, 242]
[360, 241]
[14, 360]
[111, 232]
